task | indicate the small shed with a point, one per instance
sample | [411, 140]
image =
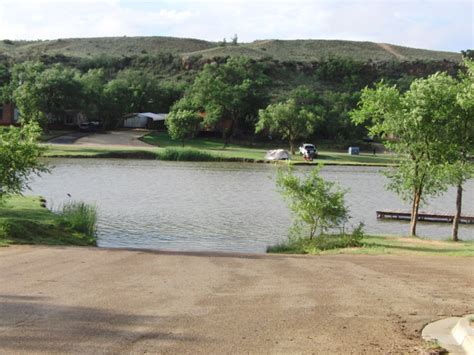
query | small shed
[148, 120]
[353, 150]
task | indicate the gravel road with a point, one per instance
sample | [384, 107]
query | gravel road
[93, 300]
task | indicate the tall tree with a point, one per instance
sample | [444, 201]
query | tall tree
[412, 125]
[460, 139]
[39, 92]
[182, 124]
[287, 119]
[234, 90]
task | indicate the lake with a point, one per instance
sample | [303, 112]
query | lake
[201, 206]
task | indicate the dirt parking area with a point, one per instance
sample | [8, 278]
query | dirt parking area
[129, 138]
[93, 300]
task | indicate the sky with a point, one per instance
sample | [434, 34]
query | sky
[431, 24]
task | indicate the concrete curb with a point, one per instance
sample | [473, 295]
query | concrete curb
[463, 333]
[454, 334]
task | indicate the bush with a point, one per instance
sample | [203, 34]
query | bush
[186, 154]
[80, 217]
[302, 245]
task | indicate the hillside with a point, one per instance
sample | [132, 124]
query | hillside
[281, 50]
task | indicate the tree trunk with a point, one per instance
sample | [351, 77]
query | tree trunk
[457, 216]
[292, 147]
[414, 212]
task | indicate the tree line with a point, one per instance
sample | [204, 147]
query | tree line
[105, 88]
[45, 93]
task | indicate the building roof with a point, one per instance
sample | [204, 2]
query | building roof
[153, 116]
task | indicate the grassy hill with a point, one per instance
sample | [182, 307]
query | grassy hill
[282, 50]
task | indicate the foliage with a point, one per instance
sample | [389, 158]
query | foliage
[303, 245]
[182, 124]
[186, 154]
[24, 220]
[317, 204]
[288, 120]
[468, 54]
[413, 124]
[80, 217]
[19, 158]
[38, 91]
[233, 90]
[459, 140]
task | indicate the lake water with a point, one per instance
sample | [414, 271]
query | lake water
[216, 206]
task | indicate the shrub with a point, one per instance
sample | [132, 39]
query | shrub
[186, 154]
[316, 204]
[80, 217]
[302, 245]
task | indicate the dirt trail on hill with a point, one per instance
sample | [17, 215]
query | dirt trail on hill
[93, 300]
[391, 50]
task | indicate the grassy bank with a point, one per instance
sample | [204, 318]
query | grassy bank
[23, 220]
[192, 152]
[385, 245]
[208, 149]
[162, 147]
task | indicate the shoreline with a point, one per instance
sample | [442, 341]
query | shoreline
[100, 152]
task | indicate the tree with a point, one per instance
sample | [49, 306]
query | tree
[182, 124]
[316, 203]
[39, 92]
[234, 90]
[19, 158]
[413, 125]
[235, 40]
[23, 90]
[93, 84]
[460, 139]
[288, 120]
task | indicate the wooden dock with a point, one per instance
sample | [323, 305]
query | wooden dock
[423, 216]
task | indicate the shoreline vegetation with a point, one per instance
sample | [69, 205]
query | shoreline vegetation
[375, 245]
[25, 220]
[162, 147]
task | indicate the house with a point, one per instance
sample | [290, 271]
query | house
[147, 120]
[8, 114]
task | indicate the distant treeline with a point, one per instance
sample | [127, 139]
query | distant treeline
[107, 87]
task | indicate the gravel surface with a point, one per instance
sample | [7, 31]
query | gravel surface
[128, 138]
[93, 300]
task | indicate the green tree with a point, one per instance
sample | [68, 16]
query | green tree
[93, 83]
[459, 140]
[182, 124]
[42, 94]
[288, 120]
[23, 90]
[412, 124]
[19, 158]
[234, 90]
[316, 203]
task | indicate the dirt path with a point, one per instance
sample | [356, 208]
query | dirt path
[391, 50]
[91, 300]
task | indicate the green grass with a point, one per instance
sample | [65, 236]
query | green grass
[386, 245]
[162, 147]
[23, 220]
[242, 151]
[80, 217]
